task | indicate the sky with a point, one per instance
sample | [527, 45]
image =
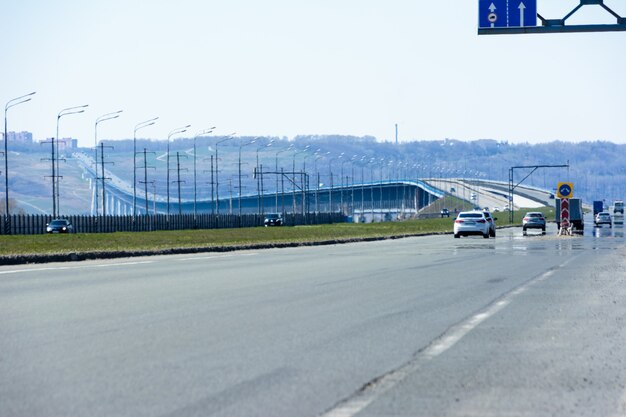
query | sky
[283, 68]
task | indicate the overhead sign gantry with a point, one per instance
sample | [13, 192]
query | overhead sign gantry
[497, 17]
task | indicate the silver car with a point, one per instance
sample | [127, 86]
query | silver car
[534, 220]
[604, 217]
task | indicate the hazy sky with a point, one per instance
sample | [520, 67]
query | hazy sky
[290, 67]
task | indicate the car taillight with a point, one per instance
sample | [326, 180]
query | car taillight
[526, 219]
[482, 221]
[459, 221]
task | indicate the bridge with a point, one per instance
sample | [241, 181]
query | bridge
[364, 201]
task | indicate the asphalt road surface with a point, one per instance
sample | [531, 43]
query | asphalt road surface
[430, 326]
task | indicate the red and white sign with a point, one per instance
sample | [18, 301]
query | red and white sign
[565, 213]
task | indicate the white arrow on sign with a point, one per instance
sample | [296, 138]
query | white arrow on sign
[492, 16]
[522, 7]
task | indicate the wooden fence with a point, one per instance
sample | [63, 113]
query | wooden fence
[32, 224]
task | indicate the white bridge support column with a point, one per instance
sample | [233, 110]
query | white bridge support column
[110, 202]
[93, 199]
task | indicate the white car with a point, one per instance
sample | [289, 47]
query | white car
[472, 223]
[603, 217]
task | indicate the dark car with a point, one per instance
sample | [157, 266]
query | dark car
[273, 220]
[445, 212]
[59, 226]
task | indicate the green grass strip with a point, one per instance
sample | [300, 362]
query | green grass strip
[163, 240]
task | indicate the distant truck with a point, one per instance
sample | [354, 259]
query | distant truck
[618, 212]
[576, 214]
[598, 206]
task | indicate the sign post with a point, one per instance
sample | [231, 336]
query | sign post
[565, 223]
[565, 191]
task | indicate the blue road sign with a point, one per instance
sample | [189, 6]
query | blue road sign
[565, 190]
[522, 13]
[506, 13]
[492, 14]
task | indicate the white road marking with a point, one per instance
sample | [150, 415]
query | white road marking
[109, 265]
[60, 268]
[373, 390]
[196, 258]
[122, 264]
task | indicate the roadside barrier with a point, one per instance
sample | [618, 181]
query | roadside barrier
[33, 224]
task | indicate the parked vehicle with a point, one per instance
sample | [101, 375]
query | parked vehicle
[604, 217]
[576, 214]
[534, 220]
[273, 219]
[598, 206]
[472, 223]
[59, 226]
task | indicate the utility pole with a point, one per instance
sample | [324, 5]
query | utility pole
[178, 180]
[103, 178]
[211, 182]
[145, 181]
[53, 176]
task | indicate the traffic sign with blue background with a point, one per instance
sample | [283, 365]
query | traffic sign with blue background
[565, 190]
[506, 13]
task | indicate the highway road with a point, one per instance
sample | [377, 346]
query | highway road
[428, 326]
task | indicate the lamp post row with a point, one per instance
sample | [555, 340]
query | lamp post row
[144, 124]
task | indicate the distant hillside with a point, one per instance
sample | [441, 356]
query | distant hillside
[596, 168]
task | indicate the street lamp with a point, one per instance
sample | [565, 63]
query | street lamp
[343, 161]
[293, 176]
[239, 200]
[317, 181]
[10, 103]
[100, 119]
[137, 127]
[217, 180]
[195, 190]
[55, 178]
[276, 167]
[172, 133]
[330, 190]
[259, 178]
[305, 182]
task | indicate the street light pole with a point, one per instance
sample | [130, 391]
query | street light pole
[100, 119]
[276, 167]
[317, 182]
[239, 200]
[217, 180]
[305, 183]
[259, 178]
[195, 189]
[137, 127]
[293, 177]
[10, 103]
[70, 110]
[172, 133]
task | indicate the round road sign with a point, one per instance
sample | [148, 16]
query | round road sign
[565, 190]
[492, 17]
